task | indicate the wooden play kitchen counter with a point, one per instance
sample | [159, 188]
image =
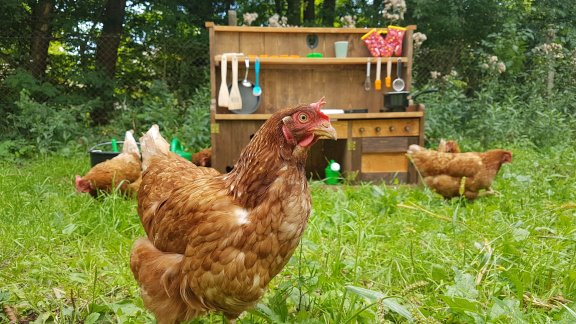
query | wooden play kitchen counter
[371, 145]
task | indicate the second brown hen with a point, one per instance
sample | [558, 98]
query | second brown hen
[203, 157]
[122, 172]
[449, 146]
[451, 175]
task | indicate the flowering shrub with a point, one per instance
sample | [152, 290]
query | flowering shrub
[348, 21]
[418, 39]
[249, 18]
[394, 10]
[277, 21]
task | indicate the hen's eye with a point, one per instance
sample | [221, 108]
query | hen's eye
[303, 118]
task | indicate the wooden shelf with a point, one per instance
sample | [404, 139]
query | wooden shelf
[302, 30]
[311, 61]
[384, 115]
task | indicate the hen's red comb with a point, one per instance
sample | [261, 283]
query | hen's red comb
[319, 104]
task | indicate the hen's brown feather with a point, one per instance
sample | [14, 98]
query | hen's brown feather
[233, 232]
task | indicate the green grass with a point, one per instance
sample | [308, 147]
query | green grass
[370, 253]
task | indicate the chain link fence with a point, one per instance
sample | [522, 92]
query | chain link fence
[76, 72]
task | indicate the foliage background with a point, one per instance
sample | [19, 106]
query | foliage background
[162, 69]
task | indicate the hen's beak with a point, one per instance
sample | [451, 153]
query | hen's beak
[325, 130]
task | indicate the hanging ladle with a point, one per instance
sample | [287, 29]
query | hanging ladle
[398, 84]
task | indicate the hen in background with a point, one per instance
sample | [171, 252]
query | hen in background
[449, 146]
[215, 242]
[203, 157]
[451, 175]
[122, 171]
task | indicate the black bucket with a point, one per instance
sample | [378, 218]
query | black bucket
[98, 155]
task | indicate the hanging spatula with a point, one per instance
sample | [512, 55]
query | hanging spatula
[235, 102]
[223, 95]
[378, 82]
[388, 80]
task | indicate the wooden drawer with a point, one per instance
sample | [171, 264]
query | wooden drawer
[387, 144]
[384, 162]
[386, 127]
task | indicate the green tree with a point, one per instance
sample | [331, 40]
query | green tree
[41, 36]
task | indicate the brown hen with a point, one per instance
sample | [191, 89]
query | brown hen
[451, 175]
[449, 146]
[203, 157]
[215, 241]
[122, 171]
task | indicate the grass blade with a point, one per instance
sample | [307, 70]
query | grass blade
[389, 303]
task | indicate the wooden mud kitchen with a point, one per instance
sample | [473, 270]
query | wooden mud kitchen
[298, 65]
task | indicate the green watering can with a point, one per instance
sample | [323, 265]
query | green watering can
[332, 173]
[176, 147]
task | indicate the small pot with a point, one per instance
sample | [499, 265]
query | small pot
[396, 101]
[399, 100]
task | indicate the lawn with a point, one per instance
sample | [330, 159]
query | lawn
[371, 253]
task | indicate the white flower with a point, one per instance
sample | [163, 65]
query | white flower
[501, 67]
[249, 18]
[273, 21]
[435, 75]
[348, 21]
[394, 9]
[493, 59]
[550, 50]
[419, 38]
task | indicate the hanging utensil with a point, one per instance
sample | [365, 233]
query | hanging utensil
[257, 90]
[245, 82]
[398, 84]
[367, 81]
[235, 102]
[378, 82]
[388, 80]
[223, 95]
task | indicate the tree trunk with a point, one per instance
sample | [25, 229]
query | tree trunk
[328, 13]
[309, 13]
[107, 50]
[41, 14]
[293, 14]
[107, 56]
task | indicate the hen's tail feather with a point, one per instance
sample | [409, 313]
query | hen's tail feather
[158, 274]
[152, 144]
[414, 148]
[130, 145]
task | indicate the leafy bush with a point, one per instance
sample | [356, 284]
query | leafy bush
[195, 130]
[504, 108]
[187, 120]
[42, 127]
[484, 122]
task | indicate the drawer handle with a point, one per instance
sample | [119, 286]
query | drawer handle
[391, 128]
[378, 129]
[361, 129]
[407, 129]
